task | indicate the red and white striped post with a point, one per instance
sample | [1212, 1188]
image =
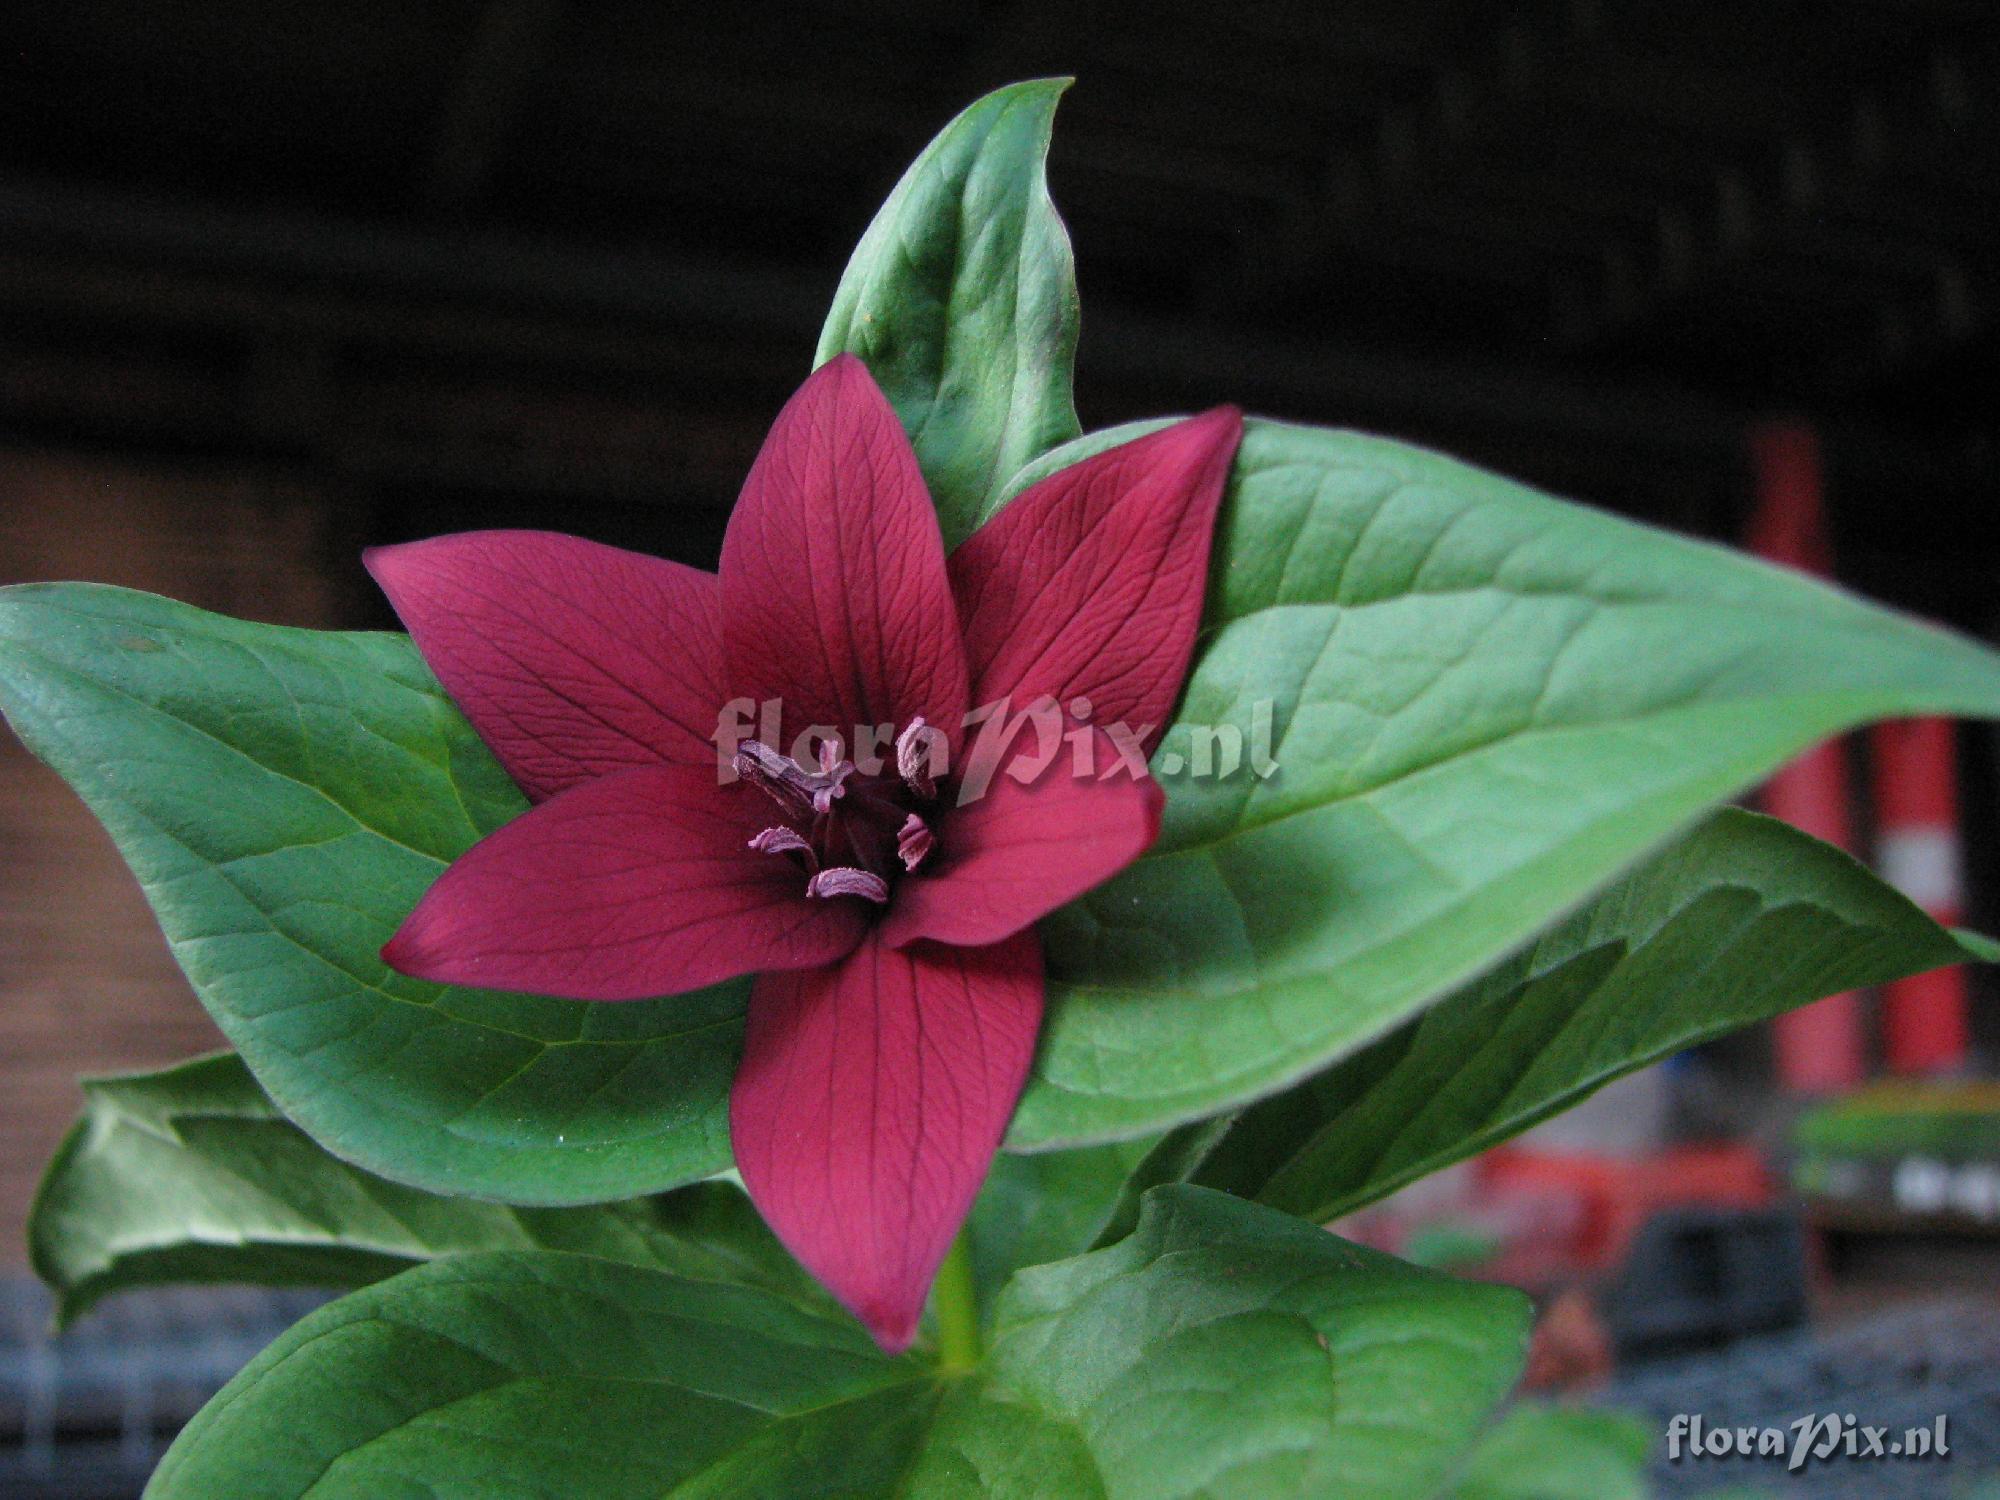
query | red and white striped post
[1818, 1047]
[1924, 1018]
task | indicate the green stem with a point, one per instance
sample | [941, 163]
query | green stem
[957, 1308]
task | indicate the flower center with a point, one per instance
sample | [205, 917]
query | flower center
[851, 833]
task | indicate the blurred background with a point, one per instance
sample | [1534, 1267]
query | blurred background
[279, 281]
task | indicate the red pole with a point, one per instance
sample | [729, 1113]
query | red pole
[1924, 1021]
[1819, 1047]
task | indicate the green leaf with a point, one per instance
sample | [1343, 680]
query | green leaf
[1049, 1206]
[1226, 1350]
[534, 1373]
[961, 299]
[1982, 948]
[1485, 704]
[285, 796]
[1542, 1452]
[192, 1175]
[1175, 1156]
[1740, 921]
[1223, 1349]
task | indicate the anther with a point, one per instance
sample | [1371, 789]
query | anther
[786, 784]
[785, 841]
[915, 841]
[845, 880]
[915, 748]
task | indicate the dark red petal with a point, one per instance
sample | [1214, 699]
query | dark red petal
[1012, 856]
[636, 884]
[834, 594]
[870, 1101]
[1090, 583]
[571, 659]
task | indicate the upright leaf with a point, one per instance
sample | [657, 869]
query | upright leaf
[192, 1175]
[1742, 920]
[1483, 704]
[284, 797]
[1223, 1349]
[961, 299]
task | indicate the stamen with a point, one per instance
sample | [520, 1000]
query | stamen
[844, 828]
[915, 842]
[785, 841]
[845, 880]
[915, 749]
[787, 785]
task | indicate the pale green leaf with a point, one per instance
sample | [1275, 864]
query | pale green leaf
[192, 1175]
[961, 300]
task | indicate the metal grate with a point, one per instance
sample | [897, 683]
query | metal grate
[85, 1415]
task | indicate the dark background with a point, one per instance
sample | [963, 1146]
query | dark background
[502, 260]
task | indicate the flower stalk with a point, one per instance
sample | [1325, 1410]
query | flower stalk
[956, 1304]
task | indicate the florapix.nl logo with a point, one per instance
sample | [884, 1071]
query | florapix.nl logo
[1814, 1438]
[994, 739]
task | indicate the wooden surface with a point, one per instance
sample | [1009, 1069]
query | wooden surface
[86, 982]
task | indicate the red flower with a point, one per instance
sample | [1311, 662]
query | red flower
[887, 913]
